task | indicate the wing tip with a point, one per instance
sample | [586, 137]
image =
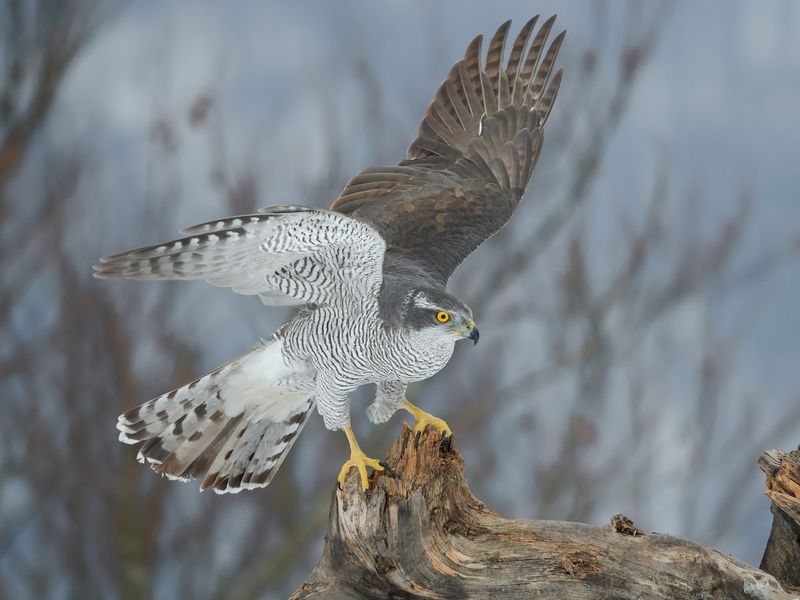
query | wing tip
[474, 47]
[100, 270]
[549, 22]
[107, 269]
[530, 22]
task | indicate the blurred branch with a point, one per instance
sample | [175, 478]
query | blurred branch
[41, 41]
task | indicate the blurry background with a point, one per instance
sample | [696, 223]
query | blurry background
[639, 323]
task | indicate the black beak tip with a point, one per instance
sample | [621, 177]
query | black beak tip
[474, 336]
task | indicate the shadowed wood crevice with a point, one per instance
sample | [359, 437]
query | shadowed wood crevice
[423, 535]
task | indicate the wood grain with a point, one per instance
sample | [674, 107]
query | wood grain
[423, 535]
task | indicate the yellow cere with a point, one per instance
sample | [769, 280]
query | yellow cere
[442, 316]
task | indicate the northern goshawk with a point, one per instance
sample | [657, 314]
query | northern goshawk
[369, 275]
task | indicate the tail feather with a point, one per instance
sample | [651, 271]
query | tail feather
[186, 453]
[200, 465]
[260, 471]
[255, 452]
[155, 416]
[233, 426]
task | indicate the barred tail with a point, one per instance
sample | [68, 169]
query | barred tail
[234, 426]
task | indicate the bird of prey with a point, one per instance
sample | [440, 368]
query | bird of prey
[369, 276]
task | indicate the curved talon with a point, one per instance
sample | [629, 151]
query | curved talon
[360, 461]
[424, 420]
[446, 445]
[389, 470]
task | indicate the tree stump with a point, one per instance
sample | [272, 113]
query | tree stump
[422, 534]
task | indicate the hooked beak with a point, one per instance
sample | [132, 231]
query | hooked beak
[473, 333]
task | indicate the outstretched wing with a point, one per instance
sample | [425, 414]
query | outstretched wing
[476, 150]
[286, 255]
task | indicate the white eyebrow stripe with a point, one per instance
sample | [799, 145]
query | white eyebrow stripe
[422, 302]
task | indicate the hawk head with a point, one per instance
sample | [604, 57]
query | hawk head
[438, 313]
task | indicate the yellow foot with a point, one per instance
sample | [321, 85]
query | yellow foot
[360, 461]
[425, 420]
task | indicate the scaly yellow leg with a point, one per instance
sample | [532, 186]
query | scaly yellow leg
[359, 460]
[424, 419]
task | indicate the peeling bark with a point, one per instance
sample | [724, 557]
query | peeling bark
[423, 535]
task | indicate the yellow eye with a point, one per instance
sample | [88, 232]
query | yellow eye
[442, 316]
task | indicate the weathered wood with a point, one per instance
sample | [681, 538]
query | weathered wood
[423, 535]
[782, 555]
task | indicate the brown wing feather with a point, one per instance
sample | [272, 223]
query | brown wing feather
[473, 158]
